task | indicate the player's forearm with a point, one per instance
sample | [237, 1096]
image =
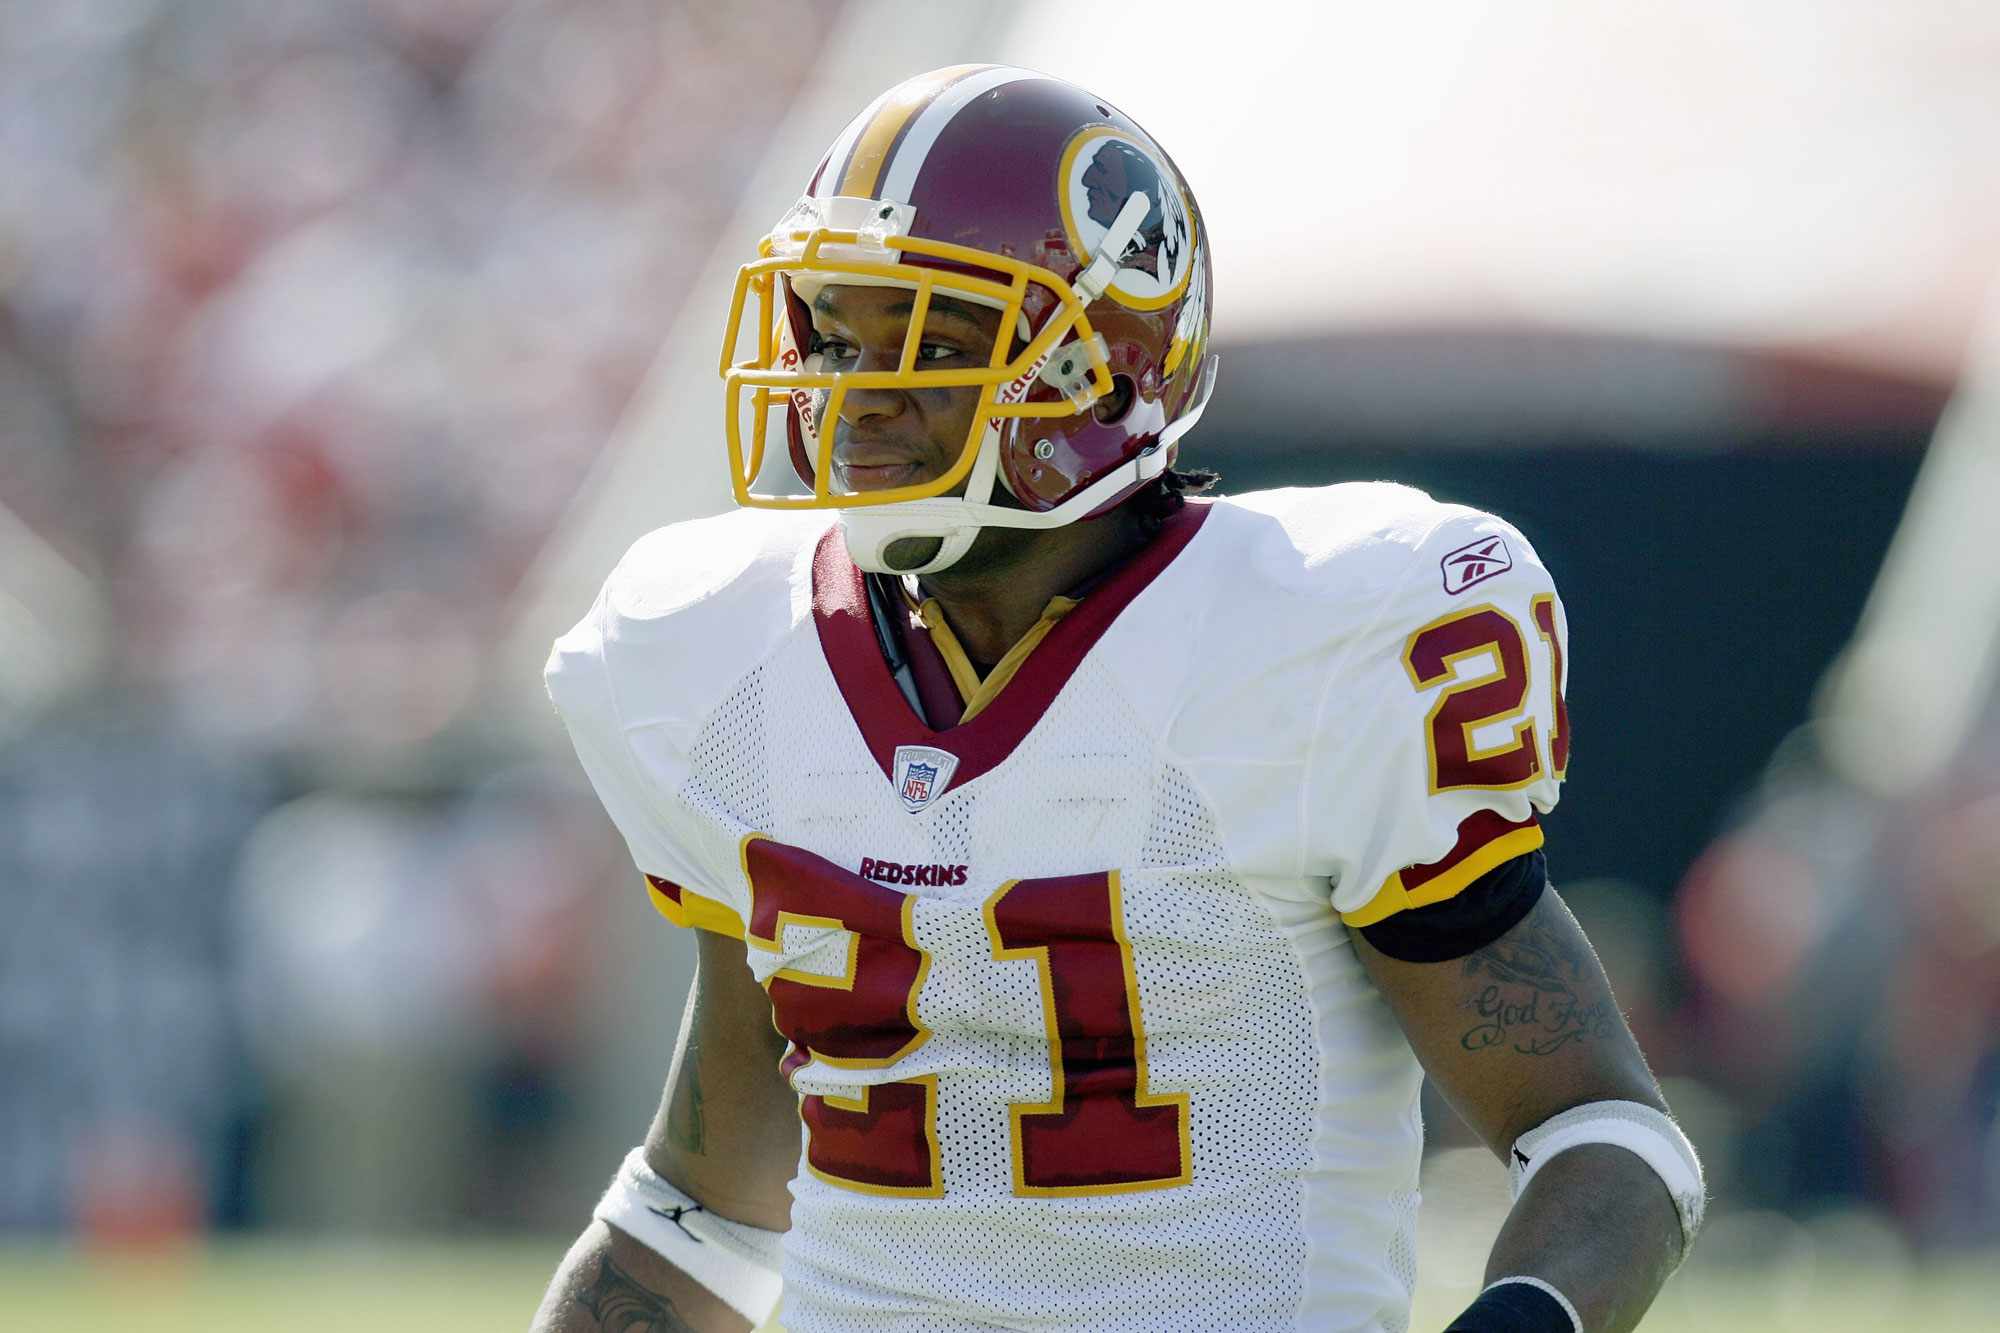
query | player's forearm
[1595, 1223]
[609, 1283]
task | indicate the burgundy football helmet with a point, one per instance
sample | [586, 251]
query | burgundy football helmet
[1022, 193]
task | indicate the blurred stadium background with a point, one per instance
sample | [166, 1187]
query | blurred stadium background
[345, 343]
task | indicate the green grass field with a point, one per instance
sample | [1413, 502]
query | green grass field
[483, 1286]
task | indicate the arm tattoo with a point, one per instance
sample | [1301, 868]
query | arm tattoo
[620, 1305]
[1545, 993]
[684, 1120]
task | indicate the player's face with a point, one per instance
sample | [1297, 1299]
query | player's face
[899, 437]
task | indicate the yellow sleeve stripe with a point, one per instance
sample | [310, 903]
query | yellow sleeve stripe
[696, 911]
[1393, 897]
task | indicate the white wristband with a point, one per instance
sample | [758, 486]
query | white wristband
[739, 1263]
[1575, 1319]
[1639, 1129]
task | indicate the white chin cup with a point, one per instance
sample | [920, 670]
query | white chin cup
[871, 532]
[956, 520]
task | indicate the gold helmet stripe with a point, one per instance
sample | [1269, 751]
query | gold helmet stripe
[885, 130]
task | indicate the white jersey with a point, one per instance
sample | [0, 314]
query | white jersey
[1080, 1037]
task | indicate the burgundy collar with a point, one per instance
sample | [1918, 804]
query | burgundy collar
[847, 637]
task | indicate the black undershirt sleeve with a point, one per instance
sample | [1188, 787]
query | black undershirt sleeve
[1479, 914]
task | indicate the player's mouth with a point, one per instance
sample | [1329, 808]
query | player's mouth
[873, 469]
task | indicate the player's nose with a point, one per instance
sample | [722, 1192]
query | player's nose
[862, 405]
[865, 406]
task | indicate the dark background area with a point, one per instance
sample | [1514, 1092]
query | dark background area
[1712, 562]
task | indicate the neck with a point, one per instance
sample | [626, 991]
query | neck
[998, 591]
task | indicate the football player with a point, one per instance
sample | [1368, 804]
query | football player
[1085, 873]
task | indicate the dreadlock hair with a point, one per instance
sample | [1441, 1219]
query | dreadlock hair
[1162, 498]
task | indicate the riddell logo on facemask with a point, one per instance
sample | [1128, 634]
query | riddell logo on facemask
[898, 872]
[1017, 388]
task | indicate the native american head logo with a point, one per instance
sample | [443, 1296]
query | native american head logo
[1102, 168]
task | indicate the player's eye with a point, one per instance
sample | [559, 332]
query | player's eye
[935, 351]
[831, 349]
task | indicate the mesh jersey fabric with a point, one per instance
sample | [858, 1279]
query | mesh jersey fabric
[1218, 748]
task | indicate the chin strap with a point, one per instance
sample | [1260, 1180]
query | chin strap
[872, 530]
[1103, 269]
[956, 520]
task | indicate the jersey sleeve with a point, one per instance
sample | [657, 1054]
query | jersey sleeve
[1444, 737]
[637, 773]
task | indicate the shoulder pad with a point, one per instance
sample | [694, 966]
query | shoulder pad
[1352, 539]
[694, 606]
[682, 565]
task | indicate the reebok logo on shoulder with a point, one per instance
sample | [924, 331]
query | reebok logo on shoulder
[1475, 562]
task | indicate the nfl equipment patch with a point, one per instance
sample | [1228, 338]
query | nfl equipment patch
[1475, 562]
[921, 773]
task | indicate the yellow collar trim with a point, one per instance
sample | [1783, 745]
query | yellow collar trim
[975, 692]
